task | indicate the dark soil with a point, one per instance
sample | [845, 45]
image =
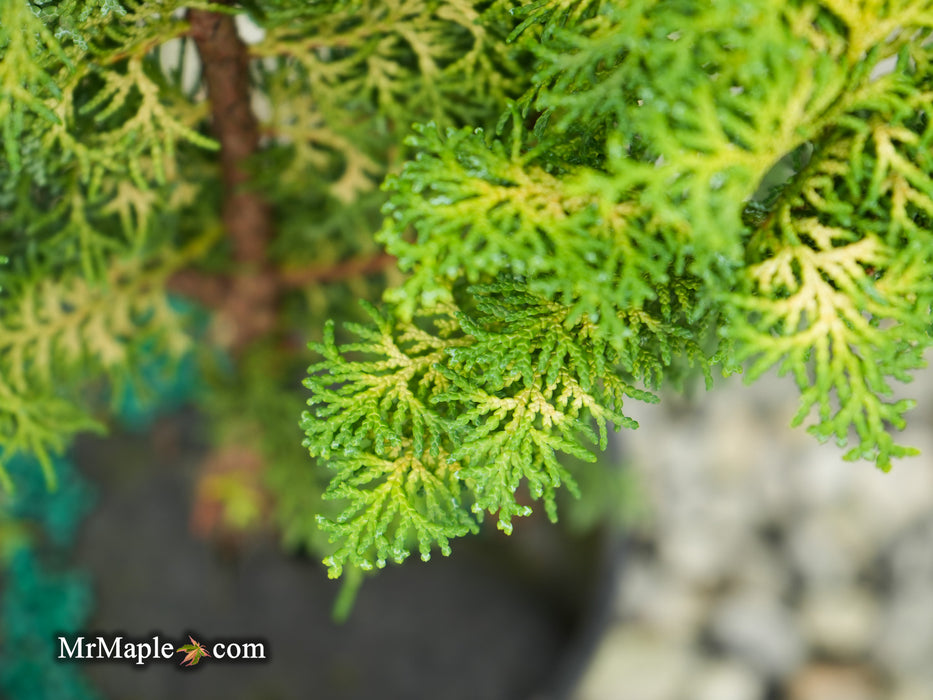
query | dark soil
[501, 619]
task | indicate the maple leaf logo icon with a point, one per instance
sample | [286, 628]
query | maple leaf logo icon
[196, 652]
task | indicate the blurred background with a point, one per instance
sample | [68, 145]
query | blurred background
[763, 567]
[749, 562]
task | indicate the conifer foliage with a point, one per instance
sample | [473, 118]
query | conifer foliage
[599, 198]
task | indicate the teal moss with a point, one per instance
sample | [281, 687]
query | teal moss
[41, 598]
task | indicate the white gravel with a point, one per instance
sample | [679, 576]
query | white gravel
[767, 566]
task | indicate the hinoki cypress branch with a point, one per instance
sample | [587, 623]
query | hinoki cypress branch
[599, 198]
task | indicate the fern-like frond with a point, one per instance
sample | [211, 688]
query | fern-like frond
[343, 82]
[393, 506]
[431, 422]
[375, 404]
[31, 63]
[700, 102]
[91, 157]
[844, 286]
[403, 57]
[530, 388]
[375, 423]
[479, 212]
[59, 335]
[38, 422]
[139, 123]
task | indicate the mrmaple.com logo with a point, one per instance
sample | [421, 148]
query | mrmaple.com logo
[140, 652]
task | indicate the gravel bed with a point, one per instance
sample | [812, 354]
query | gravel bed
[765, 567]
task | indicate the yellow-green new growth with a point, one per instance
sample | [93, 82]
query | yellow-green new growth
[681, 185]
[443, 418]
[601, 198]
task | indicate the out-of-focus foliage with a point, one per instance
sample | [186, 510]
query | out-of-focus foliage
[342, 82]
[109, 182]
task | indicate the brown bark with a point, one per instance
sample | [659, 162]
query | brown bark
[317, 274]
[246, 301]
[212, 290]
[208, 290]
[250, 304]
